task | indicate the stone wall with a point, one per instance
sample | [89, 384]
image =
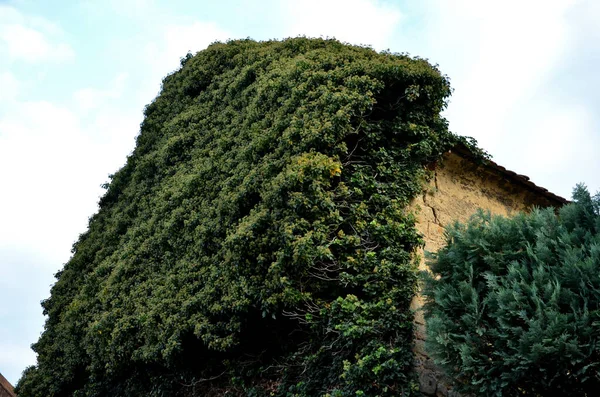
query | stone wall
[458, 188]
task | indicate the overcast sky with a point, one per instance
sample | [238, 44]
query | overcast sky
[75, 76]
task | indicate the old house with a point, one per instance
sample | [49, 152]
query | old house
[458, 188]
[6, 389]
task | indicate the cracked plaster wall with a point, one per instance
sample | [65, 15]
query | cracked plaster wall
[458, 188]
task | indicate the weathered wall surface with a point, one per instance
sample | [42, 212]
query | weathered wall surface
[458, 189]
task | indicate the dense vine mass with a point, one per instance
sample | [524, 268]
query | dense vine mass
[257, 241]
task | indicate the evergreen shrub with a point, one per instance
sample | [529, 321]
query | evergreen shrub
[513, 304]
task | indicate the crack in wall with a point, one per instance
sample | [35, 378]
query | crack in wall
[435, 217]
[433, 210]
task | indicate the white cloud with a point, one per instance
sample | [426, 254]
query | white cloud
[54, 163]
[53, 159]
[503, 58]
[10, 87]
[31, 39]
[516, 47]
[10, 14]
[554, 124]
[34, 154]
[174, 42]
[31, 45]
[91, 98]
[40, 156]
[177, 40]
[369, 22]
[555, 143]
[15, 356]
[130, 7]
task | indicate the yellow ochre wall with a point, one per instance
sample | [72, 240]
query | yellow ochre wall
[458, 188]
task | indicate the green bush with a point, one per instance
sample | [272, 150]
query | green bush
[256, 242]
[514, 304]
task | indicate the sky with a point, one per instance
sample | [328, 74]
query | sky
[75, 77]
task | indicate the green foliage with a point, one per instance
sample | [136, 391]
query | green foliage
[515, 307]
[256, 242]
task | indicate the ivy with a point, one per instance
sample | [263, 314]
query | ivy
[257, 241]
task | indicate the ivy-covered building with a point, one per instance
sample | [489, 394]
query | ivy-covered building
[259, 240]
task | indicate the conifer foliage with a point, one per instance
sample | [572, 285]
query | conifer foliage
[256, 242]
[515, 309]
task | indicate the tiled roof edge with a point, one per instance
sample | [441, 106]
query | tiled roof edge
[519, 178]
